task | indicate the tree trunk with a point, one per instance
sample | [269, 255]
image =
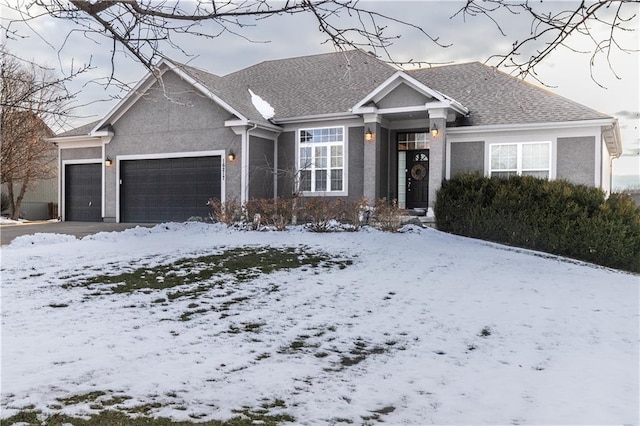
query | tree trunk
[12, 201]
[23, 190]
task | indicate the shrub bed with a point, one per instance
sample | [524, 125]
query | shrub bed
[551, 216]
[318, 214]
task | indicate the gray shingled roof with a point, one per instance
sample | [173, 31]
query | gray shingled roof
[334, 82]
[303, 86]
[494, 97]
[79, 131]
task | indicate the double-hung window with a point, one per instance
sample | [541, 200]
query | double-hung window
[525, 158]
[321, 159]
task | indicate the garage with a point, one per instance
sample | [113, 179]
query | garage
[168, 189]
[83, 195]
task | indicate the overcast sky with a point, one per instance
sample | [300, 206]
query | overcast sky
[472, 39]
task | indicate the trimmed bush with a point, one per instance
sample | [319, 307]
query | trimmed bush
[551, 216]
[229, 212]
[387, 215]
[273, 213]
[328, 214]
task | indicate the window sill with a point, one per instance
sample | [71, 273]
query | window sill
[324, 194]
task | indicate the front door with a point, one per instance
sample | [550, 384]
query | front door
[418, 179]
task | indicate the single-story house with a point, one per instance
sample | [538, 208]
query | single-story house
[336, 125]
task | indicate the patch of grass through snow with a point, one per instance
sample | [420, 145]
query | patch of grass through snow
[191, 278]
[120, 416]
[360, 352]
[243, 264]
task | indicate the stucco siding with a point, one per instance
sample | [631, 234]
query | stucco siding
[402, 96]
[174, 120]
[576, 160]
[80, 153]
[467, 157]
[286, 163]
[383, 162]
[355, 168]
[261, 169]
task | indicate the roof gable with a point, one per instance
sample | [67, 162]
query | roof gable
[150, 79]
[400, 79]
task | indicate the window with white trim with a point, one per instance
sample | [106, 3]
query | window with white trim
[524, 158]
[321, 159]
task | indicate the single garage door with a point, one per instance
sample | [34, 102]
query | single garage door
[168, 189]
[82, 192]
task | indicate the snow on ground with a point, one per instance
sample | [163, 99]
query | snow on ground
[4, 220]
[422, 328]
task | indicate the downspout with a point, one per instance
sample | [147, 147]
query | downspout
[615, 130]
[611, 158]
[244, 159]
[60, 189]
[103, 181]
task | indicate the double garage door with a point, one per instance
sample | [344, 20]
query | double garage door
[154, 190]
[168, 189]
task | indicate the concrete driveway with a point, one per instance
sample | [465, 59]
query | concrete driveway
[79, 229]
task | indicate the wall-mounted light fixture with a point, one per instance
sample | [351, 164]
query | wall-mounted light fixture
[231, 156]
[368, 136]
[434, 130]
[108, 162]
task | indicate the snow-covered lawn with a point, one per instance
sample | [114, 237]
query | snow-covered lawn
[4, 220]
[422, 327]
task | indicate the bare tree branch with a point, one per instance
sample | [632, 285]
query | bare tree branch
[148, 29]
[557, 28]
[32, 99]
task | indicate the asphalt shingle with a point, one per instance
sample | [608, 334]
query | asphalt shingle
[494, 97]
[79, 131]
[333, 83]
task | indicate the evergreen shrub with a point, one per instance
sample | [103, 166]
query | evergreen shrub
[557, 217]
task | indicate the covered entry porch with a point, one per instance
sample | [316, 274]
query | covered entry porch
[405, 124]
[405, 159]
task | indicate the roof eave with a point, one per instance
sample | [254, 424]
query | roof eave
[612, 138]
[530, 126]
[316, 117]
[205, 90]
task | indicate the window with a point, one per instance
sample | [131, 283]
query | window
[321, 159]
[526, 159]
[412, 141]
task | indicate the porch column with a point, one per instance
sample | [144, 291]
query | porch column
[437, 152]
[371, 189]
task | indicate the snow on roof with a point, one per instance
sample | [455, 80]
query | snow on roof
[263, 107]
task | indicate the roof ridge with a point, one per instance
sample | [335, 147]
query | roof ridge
[191, 67]
[315, 55]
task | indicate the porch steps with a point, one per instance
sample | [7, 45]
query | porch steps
[420, 217]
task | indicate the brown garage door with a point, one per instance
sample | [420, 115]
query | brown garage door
[168, 189]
